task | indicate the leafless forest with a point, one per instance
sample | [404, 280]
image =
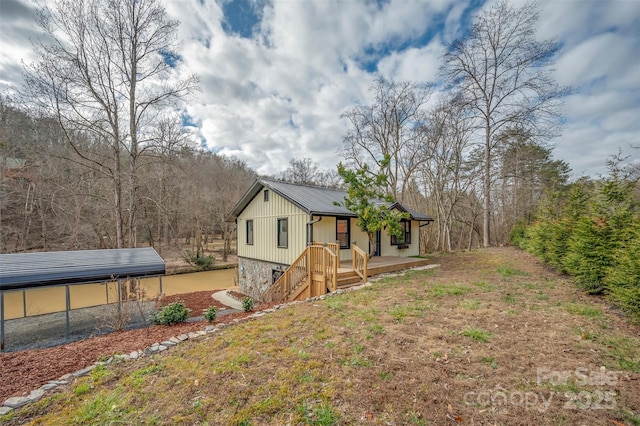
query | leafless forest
[96, 152]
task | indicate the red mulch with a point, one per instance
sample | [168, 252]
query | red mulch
[24, 371]
[197, 301]
[236, 295]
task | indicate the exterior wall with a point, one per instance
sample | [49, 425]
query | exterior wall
[325, 231]
[414, 248]
[256, 276]
[265, 215]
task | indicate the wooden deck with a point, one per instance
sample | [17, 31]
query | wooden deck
[377, 265]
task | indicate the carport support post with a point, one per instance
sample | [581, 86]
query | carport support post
[160, 277]
[1, 320]
[68, 297]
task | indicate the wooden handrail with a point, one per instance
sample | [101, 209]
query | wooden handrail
[317, 264]
[359, 262]
[334, 247]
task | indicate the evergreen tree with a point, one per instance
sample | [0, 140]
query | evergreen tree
[366, 197]
[601, 234]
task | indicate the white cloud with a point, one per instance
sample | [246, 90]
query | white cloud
[413, 64]
[279, 94]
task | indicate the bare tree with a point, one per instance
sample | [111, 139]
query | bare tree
[446, 172]
[502, 73]
[527, 170]
[304, 171]
[105, 72]
[389, 126]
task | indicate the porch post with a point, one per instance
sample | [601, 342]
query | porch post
[1, 320]
[68, 297]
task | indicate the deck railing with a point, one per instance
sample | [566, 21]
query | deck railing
[359, 261]
[334, 247]
[314, 272]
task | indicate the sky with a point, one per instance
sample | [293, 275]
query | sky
[276, 75]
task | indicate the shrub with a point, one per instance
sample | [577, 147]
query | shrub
[517, 234]
[623, 278]
[173, 313]
[248, 304]
[202, 262]
[210, 313]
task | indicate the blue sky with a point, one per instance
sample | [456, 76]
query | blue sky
[275, 75]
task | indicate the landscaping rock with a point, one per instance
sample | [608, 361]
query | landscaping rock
[35, 395]
[5, 410]
[84, 371]
[17, 401]
[48, 386]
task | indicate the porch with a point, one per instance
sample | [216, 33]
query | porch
[377, 265]
[318, 270]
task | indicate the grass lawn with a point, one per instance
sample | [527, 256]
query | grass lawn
[490, 337]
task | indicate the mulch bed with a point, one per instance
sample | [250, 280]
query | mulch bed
[197, 302]
[24, 371]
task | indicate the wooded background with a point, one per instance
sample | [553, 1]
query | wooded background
[96, 149]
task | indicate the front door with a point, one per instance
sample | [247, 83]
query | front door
[376, 252]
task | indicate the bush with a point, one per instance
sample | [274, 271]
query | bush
[517, 234]
[173, 313]
[248, 304]
[202, 262]
[210, 313]
[623, 278]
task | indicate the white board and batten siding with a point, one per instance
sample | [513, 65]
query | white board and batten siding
[265, 215]
[325, 231]
[392, 250]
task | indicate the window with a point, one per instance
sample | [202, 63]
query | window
[405, 237]
[283, 233]
[275, 275]
[342, 232]
[250, 232]
[266, 195]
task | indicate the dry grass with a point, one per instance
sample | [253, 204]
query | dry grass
[491, 337]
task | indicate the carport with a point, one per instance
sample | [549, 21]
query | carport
[22, 271]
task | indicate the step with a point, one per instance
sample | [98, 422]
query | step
[348, 280]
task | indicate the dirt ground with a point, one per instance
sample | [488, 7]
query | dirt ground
[176, 262]
[491, 337]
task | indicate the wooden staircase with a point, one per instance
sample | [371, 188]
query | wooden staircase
[315, 272]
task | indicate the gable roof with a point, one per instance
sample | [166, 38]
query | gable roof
[314, 200]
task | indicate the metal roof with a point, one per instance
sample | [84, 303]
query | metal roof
[314, 200]
[25, 270]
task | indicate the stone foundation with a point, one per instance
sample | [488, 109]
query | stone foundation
[256, 276]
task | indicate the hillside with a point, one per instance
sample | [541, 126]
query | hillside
[490, 337]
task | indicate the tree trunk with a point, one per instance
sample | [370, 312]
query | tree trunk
[486, 205]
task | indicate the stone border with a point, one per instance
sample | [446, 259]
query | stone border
[19, 401]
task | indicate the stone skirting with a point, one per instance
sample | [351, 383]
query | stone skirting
[256, 276]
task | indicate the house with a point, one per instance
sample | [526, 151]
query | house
[277, 221]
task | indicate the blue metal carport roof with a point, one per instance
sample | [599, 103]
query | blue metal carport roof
[28, 270]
